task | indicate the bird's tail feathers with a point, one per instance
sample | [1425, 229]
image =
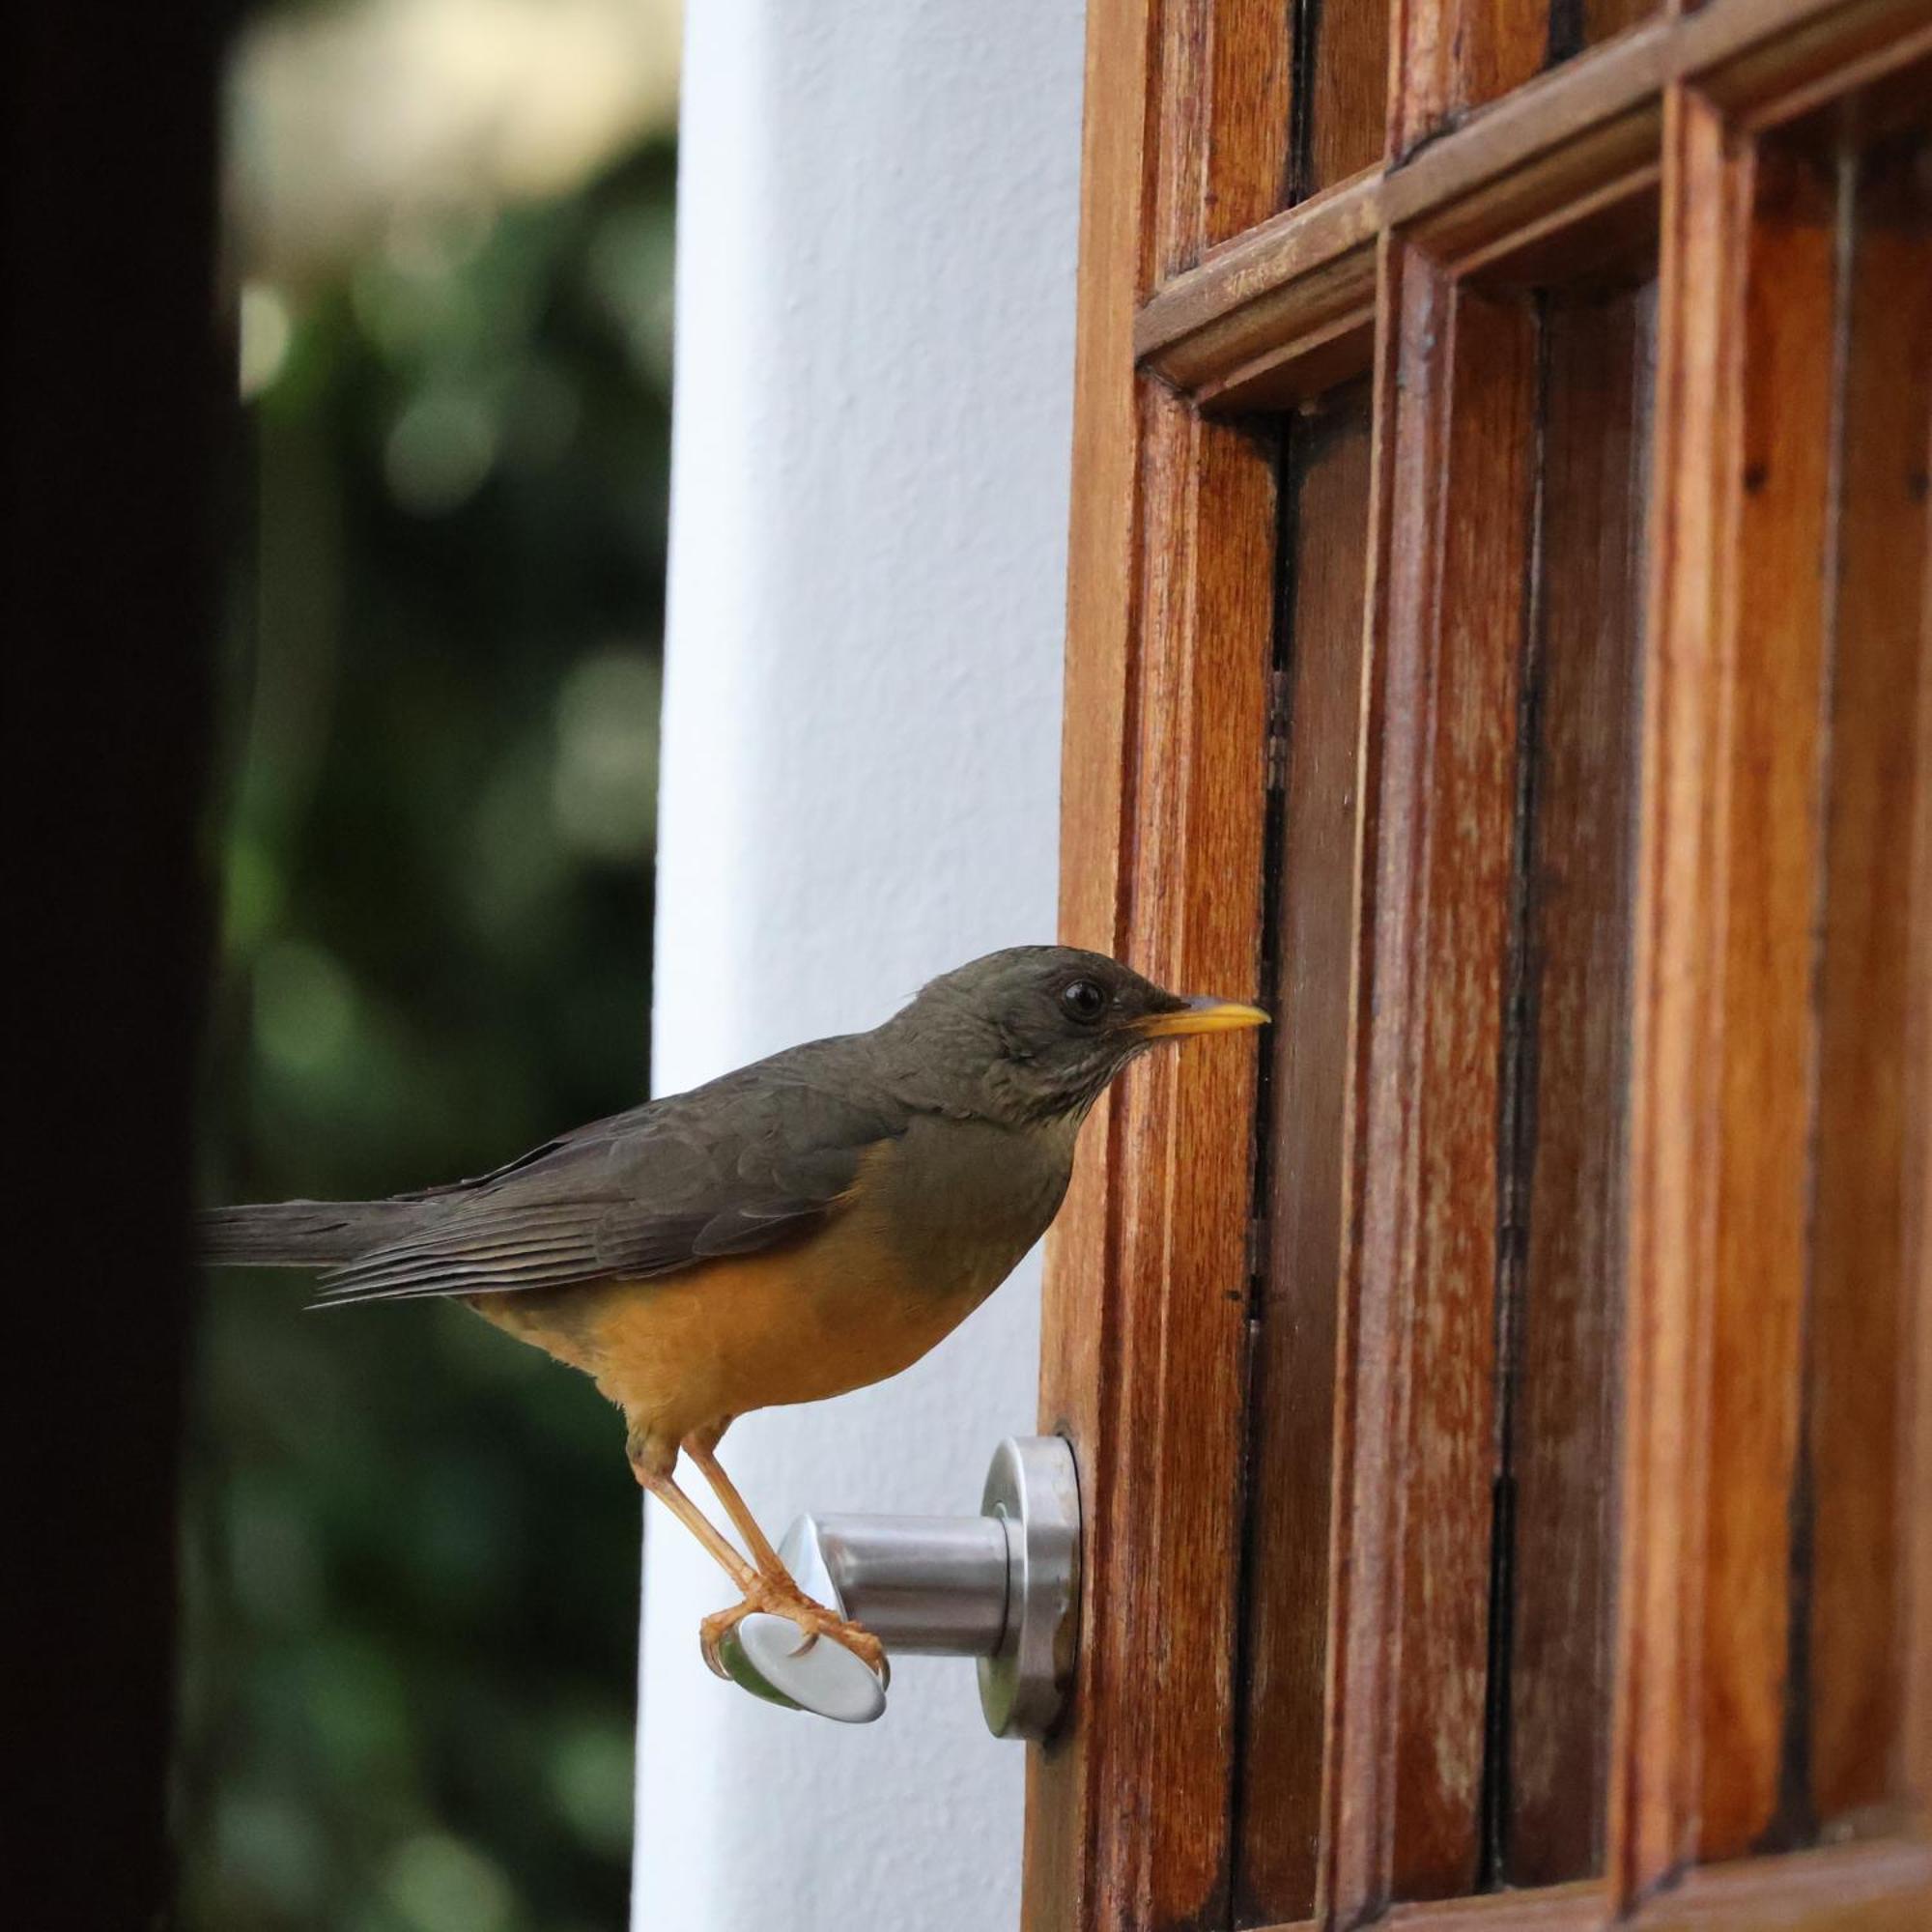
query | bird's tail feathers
[302, 1233]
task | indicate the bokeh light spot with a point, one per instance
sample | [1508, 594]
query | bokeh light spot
[441, 450]
[606, 790]
[267, 1845]
[264, 329]
[590, 1772]
[439, 1883]
[306, 1006]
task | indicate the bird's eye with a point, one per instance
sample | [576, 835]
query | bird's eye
[1084, 999]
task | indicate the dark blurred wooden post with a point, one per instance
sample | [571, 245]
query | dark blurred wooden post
[115, 393]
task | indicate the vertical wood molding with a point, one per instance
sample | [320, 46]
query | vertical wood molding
[1291, 1392]
[1916, 1444]
[1185, 1179]
[1454, 652]
[1144, 1323]
[1451, 528]
[1680, 894]
[1352, 1876]
[1221, 121]
[1568, 1159]
[1862, 1282]
[1158, 1429]
[1457, 54]
[1077, 1313]
[1342, 123]
[1777, 456]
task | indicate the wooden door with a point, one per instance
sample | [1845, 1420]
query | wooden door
[1500, 639]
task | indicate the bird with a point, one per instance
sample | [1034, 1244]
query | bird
[800, 1227]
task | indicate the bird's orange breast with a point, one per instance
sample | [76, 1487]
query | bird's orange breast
[934, 1224]
[849, 1304]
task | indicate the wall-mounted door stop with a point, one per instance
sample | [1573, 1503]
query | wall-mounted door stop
[1002, 1587]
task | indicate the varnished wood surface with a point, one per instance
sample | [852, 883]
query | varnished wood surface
[1916, 1445]
[1205, 1778]
[1188, 1160]
[1674, 1125]
[1255, 306]
[1569, 1201]
[1225, 110]
[1077, 1311]
[1146, 1318]
[1351, 1875]
[1772, 610]
[1594, 21]
[1457, 54]
[1859, 1317]
[1884, 1887]
[1722, 1637]
[1341, 99]
[1318, 735]
[1459, 549]
[1881, 1888]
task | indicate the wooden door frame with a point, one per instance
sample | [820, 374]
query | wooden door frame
[1198, 305]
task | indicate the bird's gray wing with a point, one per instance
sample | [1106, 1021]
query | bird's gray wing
[751, 1160]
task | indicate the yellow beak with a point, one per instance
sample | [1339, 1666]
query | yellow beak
[1201, 1016]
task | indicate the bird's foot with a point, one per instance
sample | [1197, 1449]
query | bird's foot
[782, 1598]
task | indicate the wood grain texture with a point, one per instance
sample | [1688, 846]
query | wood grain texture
[1868, 1888]
[1555, 1907]
[1860, 45]
[1291, 317]
[1774, 608]
[1415, 1425]
[1235, 325]
[1916, 1442]
[1597, 21]
[1144, 1815]
[1460, 543]
[1674, 1120]
[1881, 1888]
[1581, 795]
[1145, 1328]
[1186, 1175]
[1860, 1326]
[1352, 1880]
[1249, 155]
[1145, 1325]
[1342, 96]
[1223, 115]
[1456, 55]
[1077, 1312]
[1285, 1618]
[1158, 1436]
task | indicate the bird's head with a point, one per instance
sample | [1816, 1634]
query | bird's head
[1036, 1032]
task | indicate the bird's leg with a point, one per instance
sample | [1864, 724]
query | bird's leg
[693, 1518]
[702, 1449]
[774, 1590]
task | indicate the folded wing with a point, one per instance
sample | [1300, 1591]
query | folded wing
[753, 1160]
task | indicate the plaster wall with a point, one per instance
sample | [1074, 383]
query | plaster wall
[860, 789]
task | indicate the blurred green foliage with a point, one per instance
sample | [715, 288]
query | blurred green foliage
[411, 1545]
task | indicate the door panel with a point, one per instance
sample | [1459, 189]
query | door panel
[1567, 1138]
[1314, 742]
[1497, 636]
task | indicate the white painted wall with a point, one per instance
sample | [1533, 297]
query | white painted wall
[860, 789]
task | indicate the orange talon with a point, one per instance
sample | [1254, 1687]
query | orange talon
[783, 1598]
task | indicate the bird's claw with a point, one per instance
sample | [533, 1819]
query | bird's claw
[812, 1620]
